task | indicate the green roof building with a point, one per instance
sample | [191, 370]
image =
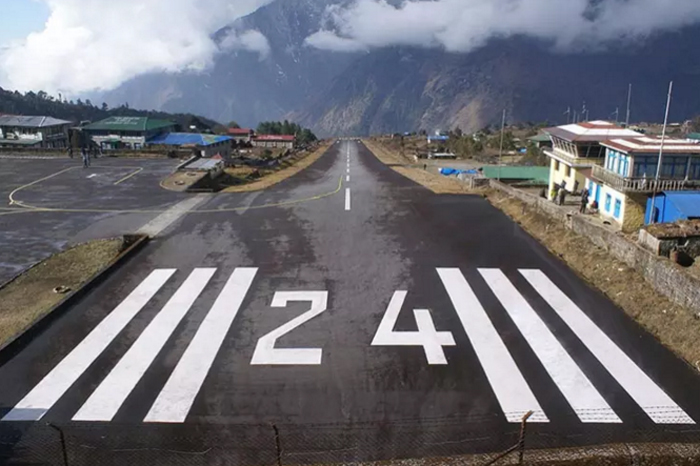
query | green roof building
[695, 136]
[126, 132]
[540, 140]
[532, 176]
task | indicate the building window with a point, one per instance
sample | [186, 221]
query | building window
[567, 171]
[618, 208]
[608, 201]
[556, 165]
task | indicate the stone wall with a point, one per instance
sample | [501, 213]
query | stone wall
[663, 275]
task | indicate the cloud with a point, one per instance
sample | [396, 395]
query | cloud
[463, 25]
[251, 40]
[89, 45]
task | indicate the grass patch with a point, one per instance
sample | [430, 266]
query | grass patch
[674, 326]
[31, 295]
[268, 178]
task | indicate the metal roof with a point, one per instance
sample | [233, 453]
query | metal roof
[19, 142]
[694, 136]
[539, 174]
[184, 139]
[540, 138]
[649, 145]
[120, 123]
[240, 131]
[593, 131]
[275, 137]
[31, 121]
[687, 202]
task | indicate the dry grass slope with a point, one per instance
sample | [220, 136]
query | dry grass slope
[31, 295]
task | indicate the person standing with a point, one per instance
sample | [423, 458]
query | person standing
[562, 196]
[86, 158]
[584, 201]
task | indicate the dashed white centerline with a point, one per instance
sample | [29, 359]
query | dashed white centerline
[347, 198]
[347, 178]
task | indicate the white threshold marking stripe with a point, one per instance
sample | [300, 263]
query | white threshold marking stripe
[52, 387]
[170, 216]
[347, 198]
[175, 400]
[585, 400]
[657, 404]
[106, 400]
[509, 385]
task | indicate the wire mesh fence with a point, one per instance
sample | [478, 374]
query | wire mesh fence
[457, 441]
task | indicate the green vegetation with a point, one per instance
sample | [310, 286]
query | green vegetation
[304, 135]
[41, 103]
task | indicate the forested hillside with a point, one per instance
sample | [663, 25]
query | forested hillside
[41, 103]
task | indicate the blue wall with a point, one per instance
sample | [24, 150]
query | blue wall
[668, 212]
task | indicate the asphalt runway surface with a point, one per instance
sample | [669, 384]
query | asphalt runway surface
[108, 186]
[346, 314]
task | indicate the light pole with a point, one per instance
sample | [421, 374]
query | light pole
[500, 151]
[661, 155]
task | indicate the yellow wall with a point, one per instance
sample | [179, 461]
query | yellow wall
[556, 176]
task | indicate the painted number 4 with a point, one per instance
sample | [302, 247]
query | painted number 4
[427, 336]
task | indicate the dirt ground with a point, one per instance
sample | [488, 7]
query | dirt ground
[270, 177]
[32, 295]
[437, 183]
[674, 326]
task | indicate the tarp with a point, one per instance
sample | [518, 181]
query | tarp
[454, 171]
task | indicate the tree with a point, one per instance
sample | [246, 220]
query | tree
[105, 107]
[233, 124]
[458, 132]
[88, 103]
[220, 129]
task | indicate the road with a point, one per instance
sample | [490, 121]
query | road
[362, 316]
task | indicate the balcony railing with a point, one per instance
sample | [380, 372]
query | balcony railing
[572, 160]
[641, 185]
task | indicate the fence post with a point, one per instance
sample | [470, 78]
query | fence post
[63, 442]
[521, 442]
[278, 446]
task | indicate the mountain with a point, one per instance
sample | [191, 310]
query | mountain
[241, 85]
[403, 89]
[400, 88]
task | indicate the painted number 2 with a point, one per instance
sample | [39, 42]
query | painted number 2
[427, 336]
[265, 351]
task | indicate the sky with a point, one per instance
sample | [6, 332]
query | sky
[27, 16]
[81, 46]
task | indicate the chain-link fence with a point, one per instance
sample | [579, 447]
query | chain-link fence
[458, 441]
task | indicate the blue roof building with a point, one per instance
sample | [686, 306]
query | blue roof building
[671, 206]
[204, 145]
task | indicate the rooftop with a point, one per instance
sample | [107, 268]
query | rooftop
[240, 131]
[275, 137]
[31, 121]
[185, 139]
[129, 124]
[540, 138]
[535, 174]
[593, 131]
[694, 136]
[646, 145]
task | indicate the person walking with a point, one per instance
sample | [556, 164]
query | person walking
[86, 158]
[584, 201]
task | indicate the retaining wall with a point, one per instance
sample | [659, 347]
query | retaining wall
[663, 275]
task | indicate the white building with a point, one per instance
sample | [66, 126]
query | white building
[576, 150]
[33, 131]
[274, 141]
[627, 178]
